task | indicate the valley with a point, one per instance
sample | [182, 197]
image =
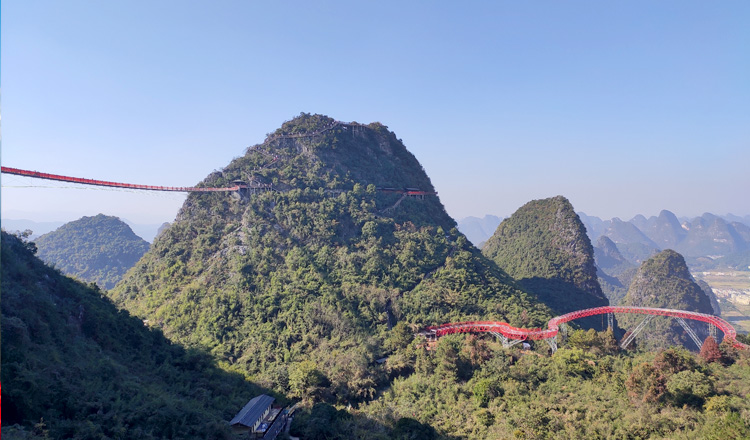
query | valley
[732, 288]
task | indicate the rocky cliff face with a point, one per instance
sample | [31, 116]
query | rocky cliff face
[711, 296]
[544, 246]
[664, 281]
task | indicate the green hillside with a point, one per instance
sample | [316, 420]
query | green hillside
[308, 279]
[664, 281]
[97, 249]
[544, 246]
[75, 367]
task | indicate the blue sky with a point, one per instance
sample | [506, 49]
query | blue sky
[623, 107]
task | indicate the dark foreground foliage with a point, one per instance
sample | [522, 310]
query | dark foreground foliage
[469, 387]
[73, 366]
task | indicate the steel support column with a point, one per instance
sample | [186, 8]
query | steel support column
[507, 343]
[712, 331]
[690, 332]
[635, 332]
[562, 334]
[552, 344]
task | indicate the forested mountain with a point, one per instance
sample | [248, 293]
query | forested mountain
[614, 270]
[299, 280]
[97, 249]
[75, 367]
[664, 281]
[544, 246]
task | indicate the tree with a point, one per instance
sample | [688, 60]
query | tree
[710, 350]
[646, 383]
[305, 379]
[399, 337]
[689, 387]
[409, 429]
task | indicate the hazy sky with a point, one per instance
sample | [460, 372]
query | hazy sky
[623, 107]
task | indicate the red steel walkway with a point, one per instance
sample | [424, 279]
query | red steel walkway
[510, 332]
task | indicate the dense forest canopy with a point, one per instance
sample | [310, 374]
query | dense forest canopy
[75, 367]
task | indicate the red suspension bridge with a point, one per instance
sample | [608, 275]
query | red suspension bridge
[238, 186]
[59, 178]
[512, 335]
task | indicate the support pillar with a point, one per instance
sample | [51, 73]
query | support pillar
[611, 321]
[507, 343]
[690, 332]
[552, 344]
[635, 332]
[562, 334]
[712, 331]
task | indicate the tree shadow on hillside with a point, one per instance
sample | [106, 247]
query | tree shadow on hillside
[74, 366]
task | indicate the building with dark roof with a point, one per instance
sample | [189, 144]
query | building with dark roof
[252, 415]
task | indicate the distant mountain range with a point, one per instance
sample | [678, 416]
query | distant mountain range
[707, 241]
